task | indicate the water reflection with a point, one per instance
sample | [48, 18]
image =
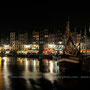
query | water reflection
[21, 73]
[1, 74]
[49, 66]
[6, 73]
[33, 74]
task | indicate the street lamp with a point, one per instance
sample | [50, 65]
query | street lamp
[51, 46]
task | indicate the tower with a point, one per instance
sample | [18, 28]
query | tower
[86, 40]
[12, 40]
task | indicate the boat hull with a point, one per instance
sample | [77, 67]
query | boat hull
[69, 64]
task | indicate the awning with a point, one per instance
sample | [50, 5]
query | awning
[50, 51]
[28, 51]
[83, 50]
[45, 50]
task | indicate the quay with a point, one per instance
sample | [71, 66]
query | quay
[40, 56]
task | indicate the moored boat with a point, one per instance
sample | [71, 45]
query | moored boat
[69, 61]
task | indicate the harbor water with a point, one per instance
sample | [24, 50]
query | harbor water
[33, 74]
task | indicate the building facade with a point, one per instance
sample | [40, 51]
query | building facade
[12, 40]
[43, 40]
[18, 43]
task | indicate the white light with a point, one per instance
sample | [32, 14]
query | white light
[60, 42]
[89, 29]
[51, 67]
[7, 52]
[51, 45]
[34, 63]
[27, 46]
[5, 59]
[6, 46]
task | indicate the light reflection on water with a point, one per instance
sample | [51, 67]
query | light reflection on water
[21, 72]
[6, 73]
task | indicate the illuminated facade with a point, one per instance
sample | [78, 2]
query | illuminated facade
[78, 38]
[55, 43]
[43, 40]
[51, 38]
[35, 37]
[18, 43]
[22, 39]
[12, 40]
[51, 42]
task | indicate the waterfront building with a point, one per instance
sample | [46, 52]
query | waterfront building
[43, 40]
[55, 42]
[78, 38]
[12, 40]
[51, 38]
[35, 37]
[75, 37]
[58, 36]
[22, 39]
[18, 43]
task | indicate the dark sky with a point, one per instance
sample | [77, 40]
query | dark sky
[28, 19]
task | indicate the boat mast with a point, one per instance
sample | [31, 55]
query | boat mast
[67, 33]
[85, 40]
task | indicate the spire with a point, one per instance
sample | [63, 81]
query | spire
[80, 32]
[85, 32]
[86, 39]
[67, 27]
[67, 32]
[89, 28]
[75, 30]
[68, 18]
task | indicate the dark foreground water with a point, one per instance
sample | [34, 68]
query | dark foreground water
[34, 74]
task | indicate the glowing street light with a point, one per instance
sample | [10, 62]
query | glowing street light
[26, 46]
[6, 46]
[51, 45]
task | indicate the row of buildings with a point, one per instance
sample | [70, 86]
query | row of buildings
[38, 42]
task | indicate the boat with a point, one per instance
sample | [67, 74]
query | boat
[68, 63]
[45, 57]
[70, 60]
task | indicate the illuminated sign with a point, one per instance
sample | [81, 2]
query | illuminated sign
[59, 47]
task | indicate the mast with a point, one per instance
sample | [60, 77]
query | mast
[89, 28]
[67, 32]
[75, 30]
[85, 40]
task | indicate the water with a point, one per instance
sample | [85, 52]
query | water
[34, 74]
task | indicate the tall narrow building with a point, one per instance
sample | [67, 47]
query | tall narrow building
[12, 40]
[43, 40]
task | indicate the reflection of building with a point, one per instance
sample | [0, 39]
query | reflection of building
[49, 66]
[34, 65]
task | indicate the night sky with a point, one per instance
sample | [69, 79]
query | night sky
[28, 19]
